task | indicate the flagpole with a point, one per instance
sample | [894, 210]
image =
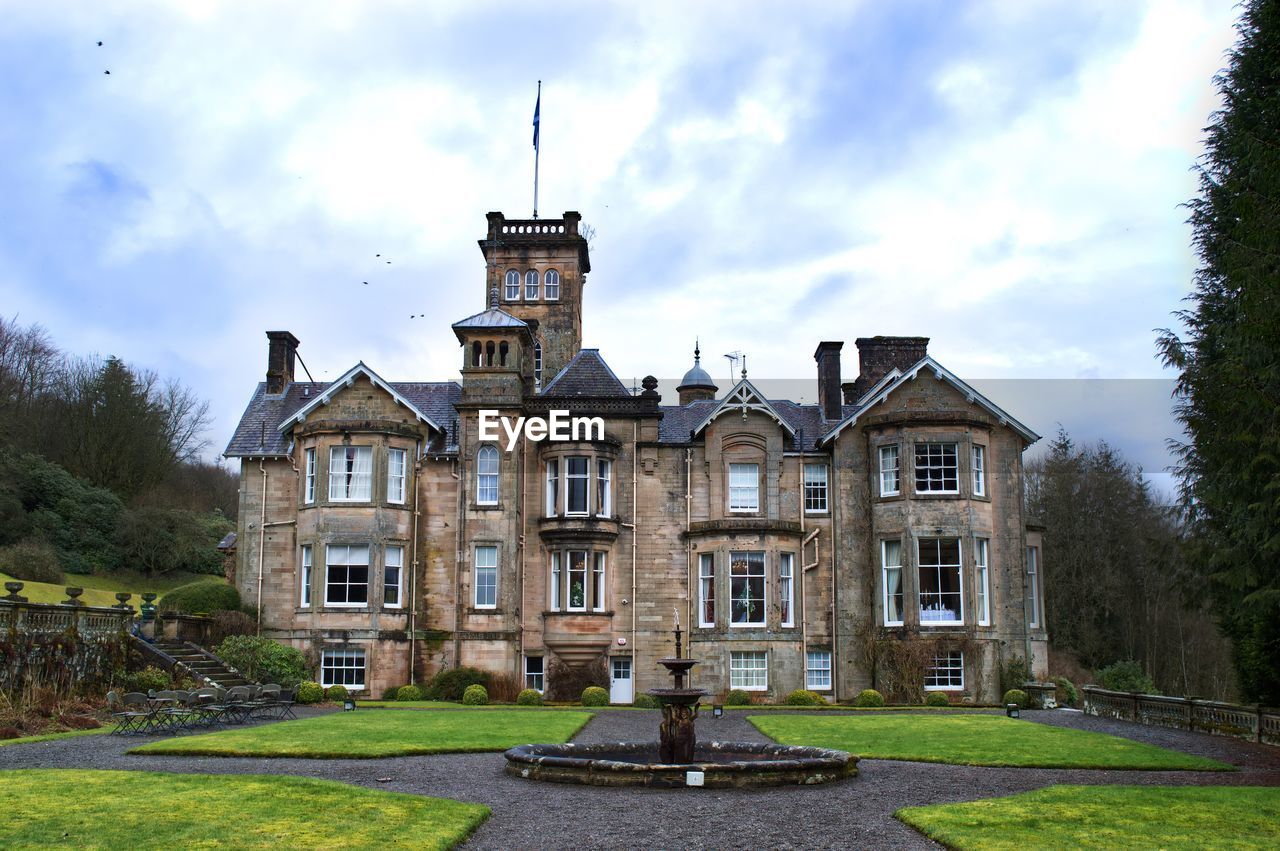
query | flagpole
[537, 145]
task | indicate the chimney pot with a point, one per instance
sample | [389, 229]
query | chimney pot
[828, 358]
[282, 352]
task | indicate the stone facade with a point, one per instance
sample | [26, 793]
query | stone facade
[383, 536]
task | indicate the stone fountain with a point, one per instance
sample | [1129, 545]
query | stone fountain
[678, 760]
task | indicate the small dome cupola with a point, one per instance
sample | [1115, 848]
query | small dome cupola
[696, 384]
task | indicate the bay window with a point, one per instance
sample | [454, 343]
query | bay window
[604, 496]
[553, 487]
[597, 583]
[577, 597]
[941, 601]
[556, 579]
[746, 589]
[309, 483]
[577, 477]
[346, 580]
[350, 473]
[891, 570]
[937, 468]
[578, 581]
[744, 487]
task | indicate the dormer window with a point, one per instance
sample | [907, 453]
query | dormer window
[552, 280]
[531, 285]
[512, 285]
[350, 473]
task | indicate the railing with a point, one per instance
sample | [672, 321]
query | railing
[1255, 723]
[194, 629]
[48, 618]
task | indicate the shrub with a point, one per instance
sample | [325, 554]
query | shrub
[10, 733]
[1065, 693]
[737, 697]
[1015, 673]
[936, 698]
[263, 660]
[1126, 676]
[475, 695]
[227, 624]
[450, 685]
[33, 560]
[148, 679]
[309, 693]
[804, 697]
[408, 693]
[646, 701]
[595, 696]
[504, 688]
[336, 694]
[79, 722]
[869, 697]
[1017, 696]
[204, 596]
[529, 697]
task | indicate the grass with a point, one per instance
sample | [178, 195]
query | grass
[448, 704]
[367, 735]
[100, 590]
[49, 737]
[123, 809]
[975, 740]
[1193, 817]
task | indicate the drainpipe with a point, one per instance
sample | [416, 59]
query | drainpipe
[520, 542]
[413, 562]
[688, 547]
[635, 468]
[804, 607]
[262, 538]
[835, 588]
[459, 537]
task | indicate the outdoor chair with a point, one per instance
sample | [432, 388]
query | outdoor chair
[285, 704]
[127, 720]
[140, 704]
[238, 705]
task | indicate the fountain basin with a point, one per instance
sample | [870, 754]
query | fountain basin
[721, 764]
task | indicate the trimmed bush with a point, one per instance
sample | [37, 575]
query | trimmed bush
[475, 695]
[936, 698]
[336, 694]
[450, 685]
[1016, 695]
[408, 693]
[1066, 693]
[869, 697]
[1015, 673]
[205, 596]
[263, 660]
[737, 697]
[148, 679]
[646, 701]
[32, 560]
[529, 697]
[309, 693]
[804, 697]
[595, 696]
[1126, 676]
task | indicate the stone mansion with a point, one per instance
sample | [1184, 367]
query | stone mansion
[387, 535]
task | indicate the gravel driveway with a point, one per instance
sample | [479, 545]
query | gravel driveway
[855, 813]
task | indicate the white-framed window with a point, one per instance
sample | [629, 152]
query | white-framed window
[486, 577]
[815, 488]
[396, 474]
[749, 670]
[1033, 583]
[304, 599]
[937, 468]
[706, 590]
[342, 668]
[350, 473]
[577, 591]
[597, 583]
[891, 570]
[577, 474]
[817, 670]
[556, 579]
[979, 470]
[552, 279]
[744, 487]
[487, 476]
[945, 672]
[553, 486]
[533, 676]
[309, 478]
[786, 588]
[531, 285]
[393, 577]
[537, 369]
[941, 601]
[981, 548]
[604, 491]
[346, 578]
[890, 471]
[512, 285]
[746, 589]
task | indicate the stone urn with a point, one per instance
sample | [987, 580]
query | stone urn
[13, 588]
[73, 596]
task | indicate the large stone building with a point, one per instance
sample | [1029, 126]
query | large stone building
[875, 539]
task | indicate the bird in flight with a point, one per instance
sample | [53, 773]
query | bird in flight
[366, 283]
[99, 44]
[106, 72]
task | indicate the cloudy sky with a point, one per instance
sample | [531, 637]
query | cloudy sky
[1003, 177]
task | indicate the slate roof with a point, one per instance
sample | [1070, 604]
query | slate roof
[258, 433]
[494, 317]
[586, 374]
[678, 421]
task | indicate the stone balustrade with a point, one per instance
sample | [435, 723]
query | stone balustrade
[1255, 723]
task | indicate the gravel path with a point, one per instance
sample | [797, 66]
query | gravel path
[856, 813]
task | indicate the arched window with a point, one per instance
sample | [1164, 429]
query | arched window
[531, 285]
[552, 279]
[537, 363]
[475, 353]
[512, 285]
[488, 353]
[503, 348]
[487, 476]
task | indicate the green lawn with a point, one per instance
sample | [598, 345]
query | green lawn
[131, 809]
[364, 735]
[101, 590]
[49, 737]
[974, 740]
[1108, 817]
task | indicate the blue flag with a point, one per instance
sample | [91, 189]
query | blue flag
[537, 108]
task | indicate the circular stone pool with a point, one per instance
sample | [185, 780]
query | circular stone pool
[716, 765]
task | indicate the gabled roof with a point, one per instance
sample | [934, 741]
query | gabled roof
[586, 374]
[347, 380]
[494, 317]
[745, 397]
[883, 391]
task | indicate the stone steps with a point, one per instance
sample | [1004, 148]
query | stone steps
[203, 663]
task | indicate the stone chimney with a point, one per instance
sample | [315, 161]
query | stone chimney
[828, 358]
[281, 354]
[877, 356]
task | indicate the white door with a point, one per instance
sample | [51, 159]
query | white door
[620, 690]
